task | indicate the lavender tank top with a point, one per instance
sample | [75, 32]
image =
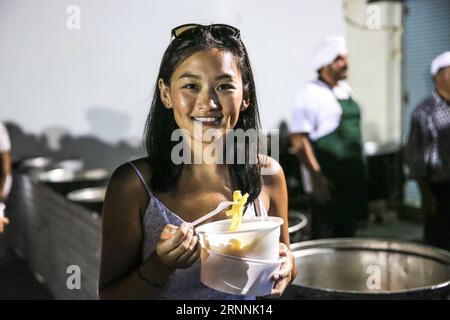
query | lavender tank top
[183, 284]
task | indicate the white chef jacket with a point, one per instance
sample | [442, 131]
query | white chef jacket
[317, 112]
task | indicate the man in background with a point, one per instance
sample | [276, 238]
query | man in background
[5, 173]
[326, 136]
[428, 154]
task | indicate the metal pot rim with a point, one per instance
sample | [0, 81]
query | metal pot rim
[81, 175]
[379, 292]
[76, 195]
[375, 243]
[303, 221]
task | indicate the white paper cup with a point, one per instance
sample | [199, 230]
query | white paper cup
[238, 276]
[257, 238]
[2, 209]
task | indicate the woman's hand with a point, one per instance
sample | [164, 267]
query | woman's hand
[178, 247]
[284, 275]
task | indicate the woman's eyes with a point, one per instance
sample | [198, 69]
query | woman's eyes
[190, 86]
[225, 87]
[221, 87]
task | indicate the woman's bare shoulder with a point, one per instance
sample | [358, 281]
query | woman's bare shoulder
[125, 173]
[271, 170]
[126, 184]
[143, 165]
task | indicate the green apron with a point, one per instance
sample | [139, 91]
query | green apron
[340, 155]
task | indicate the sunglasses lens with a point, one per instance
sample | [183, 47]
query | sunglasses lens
[178, 31]
[224, 31]
[217, 30]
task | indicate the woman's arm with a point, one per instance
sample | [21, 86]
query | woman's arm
[122, 242]
[122, 273]
[275, 184]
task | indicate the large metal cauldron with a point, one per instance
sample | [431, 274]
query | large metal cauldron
[90, 198]
[34, 165]
[31, 165]
[64, 181]
[369, 269]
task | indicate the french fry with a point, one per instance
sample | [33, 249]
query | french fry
[237, 210]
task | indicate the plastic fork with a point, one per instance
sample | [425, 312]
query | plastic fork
[220, 207]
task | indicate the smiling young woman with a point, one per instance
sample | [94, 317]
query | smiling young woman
[204, 79]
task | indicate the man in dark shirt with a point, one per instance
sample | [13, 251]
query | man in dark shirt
[428, 154]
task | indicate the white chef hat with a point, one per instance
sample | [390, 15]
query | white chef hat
[441, 61]
[329, 49]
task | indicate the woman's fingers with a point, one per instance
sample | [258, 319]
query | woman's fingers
[283, 276]
[286, 267]
[178, 246]
[283, 250]
[180, 235]
[194, 256]
[168, 232]
[189, 250]
[171, 237]
[193, 244]
[191, 255]
[182, 247]
[281, 284]
[279, 288]
[284, 271]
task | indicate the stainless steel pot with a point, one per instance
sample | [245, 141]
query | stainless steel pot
[64, 181]
[91, 198]
[369, 269]
[34, 165]
[297, 222]
[71, 164]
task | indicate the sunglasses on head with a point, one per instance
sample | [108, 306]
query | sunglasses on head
[187, 31]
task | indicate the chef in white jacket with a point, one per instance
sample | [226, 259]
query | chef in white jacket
[326, 135]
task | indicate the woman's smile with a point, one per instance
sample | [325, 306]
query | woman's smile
[209, 121]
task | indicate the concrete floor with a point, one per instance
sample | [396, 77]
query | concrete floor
[16, 281]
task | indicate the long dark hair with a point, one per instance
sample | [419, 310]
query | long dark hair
[161, 122]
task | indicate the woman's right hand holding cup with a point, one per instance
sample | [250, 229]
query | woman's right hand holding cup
[178, 247]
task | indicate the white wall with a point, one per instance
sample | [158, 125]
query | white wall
[375, 66]
[99, 79]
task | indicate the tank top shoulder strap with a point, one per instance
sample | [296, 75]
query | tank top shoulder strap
[259, 208]
[141, 178]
